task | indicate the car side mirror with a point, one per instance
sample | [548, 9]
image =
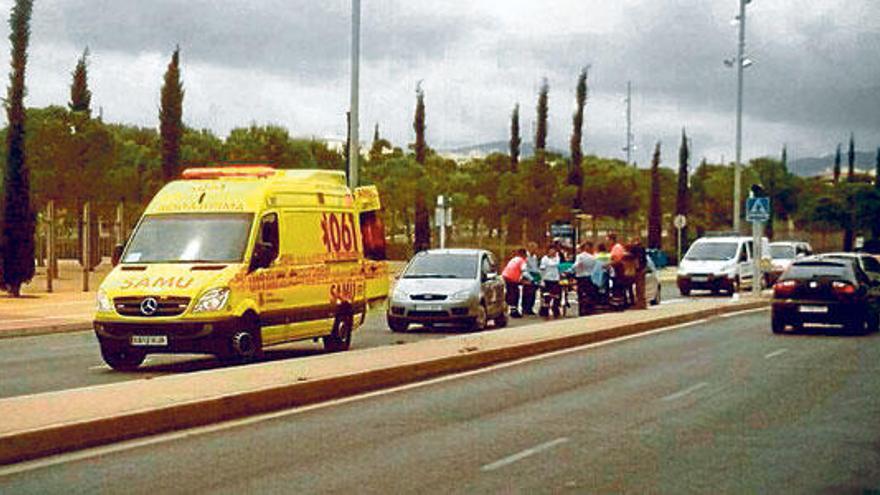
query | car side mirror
[263, 255]
[116, 255]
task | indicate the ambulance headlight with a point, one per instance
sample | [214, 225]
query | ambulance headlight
[212, 300]
[103, 302]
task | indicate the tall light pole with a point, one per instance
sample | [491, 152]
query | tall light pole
[354, 140]
[740, 62]
[629, 134]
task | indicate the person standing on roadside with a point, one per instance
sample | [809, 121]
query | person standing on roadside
[530, 285]
[584, 263]
[550, 276]
[617, 249]
[637, 251]
[513, 275]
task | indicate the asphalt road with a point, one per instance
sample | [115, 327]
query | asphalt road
[717, 407]
[30, 365]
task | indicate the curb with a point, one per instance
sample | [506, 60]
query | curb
[46, 330]
[58, 438]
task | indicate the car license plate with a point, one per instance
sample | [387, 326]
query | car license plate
[813, 309]
[149, 340]
[428, 307]
[700, 279]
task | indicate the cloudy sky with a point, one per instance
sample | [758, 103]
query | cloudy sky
[816, 76]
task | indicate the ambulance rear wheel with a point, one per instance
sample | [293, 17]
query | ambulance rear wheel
[123, 358]
[340, 338]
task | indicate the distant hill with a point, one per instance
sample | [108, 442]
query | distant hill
[484, 149]
[807, 167]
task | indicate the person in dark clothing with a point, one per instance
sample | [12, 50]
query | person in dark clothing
[530, 283]
[584, 264]
[637, 251]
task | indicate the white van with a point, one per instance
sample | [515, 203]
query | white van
[719, 264]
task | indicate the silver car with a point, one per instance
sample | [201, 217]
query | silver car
[455, 286]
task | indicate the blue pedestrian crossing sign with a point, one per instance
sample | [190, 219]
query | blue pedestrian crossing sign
[758, 209]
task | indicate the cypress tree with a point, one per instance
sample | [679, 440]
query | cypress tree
[514, 219]
[19, 219]
[682, 199]
[541, 130]
[170, 118]
[837, 165]
[81, 107]
[576, 172]
[849, 234]
[655, 215]
[375, 133]
[515, 140]
[851, 159]
[80, 95]
[422, 218]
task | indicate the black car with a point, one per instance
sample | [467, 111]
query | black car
[826, 291]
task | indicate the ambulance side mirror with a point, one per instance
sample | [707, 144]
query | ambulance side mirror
[116, 255]
[263, 255]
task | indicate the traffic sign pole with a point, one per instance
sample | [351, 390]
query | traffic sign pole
[758, 212]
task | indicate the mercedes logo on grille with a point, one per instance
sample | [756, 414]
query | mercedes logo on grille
[149, 306]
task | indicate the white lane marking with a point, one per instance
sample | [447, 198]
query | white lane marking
[525, 453]
[673, 301]
[201, 430]
[682, 393]
[745, 312]
[775, 353]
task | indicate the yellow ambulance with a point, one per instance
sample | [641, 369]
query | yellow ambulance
[232, 259]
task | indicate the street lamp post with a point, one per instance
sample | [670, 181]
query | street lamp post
[740, 62]
[354, 140]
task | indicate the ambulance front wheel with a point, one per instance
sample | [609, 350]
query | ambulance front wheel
[340, 338]
[122, 358]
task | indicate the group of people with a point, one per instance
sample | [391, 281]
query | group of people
[612, 277]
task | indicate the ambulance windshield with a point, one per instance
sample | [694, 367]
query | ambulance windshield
[190, 238]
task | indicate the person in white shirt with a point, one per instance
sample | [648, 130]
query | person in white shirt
[584, 264]
[550, 276]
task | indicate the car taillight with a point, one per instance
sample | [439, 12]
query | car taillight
[843, 288]
[784, 288]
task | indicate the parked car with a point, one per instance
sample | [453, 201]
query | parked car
[718, 264]
[826, 290]
[782, 253]
[448, 286]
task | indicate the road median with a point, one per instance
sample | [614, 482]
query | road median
[51, 423]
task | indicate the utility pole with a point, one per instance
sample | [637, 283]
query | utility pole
[354, 142]
[629, 135]
[737, 179]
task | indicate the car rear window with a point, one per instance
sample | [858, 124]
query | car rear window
[781, 252]
[818, 269]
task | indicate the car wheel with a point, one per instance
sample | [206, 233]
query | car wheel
[397, 325]
[479, 322]
[777, 324]
[656, 300]
[340, 338]
[500, 321]
[123, 358]
[873, 321]
[684, 291]
[735, 286]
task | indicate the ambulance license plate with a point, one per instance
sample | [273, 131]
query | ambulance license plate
[149, 340]
[428, 307]
[813, 309]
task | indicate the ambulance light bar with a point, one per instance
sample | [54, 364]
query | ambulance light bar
[232, 171]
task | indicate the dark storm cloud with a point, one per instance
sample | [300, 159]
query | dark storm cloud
[825, 74]
[307, 37]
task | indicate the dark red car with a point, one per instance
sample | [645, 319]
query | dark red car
[826, 291]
